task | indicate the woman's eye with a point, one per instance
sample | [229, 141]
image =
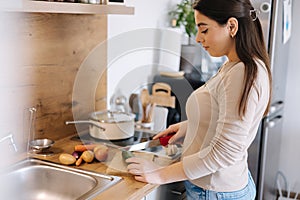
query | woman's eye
[205, 31]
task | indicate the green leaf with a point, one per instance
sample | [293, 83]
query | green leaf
[184, 15]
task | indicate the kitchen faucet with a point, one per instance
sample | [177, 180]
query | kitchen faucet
[10, 137]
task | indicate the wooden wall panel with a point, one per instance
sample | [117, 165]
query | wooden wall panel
[54, 47]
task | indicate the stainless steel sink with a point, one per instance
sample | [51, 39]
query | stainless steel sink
[36, 179]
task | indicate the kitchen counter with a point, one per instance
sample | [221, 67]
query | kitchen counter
[127, 188]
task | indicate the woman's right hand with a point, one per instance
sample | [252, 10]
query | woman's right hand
[179, 129]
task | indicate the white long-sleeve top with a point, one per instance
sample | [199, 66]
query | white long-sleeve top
[216, 142]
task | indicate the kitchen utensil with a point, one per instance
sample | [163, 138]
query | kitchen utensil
[131, 99]
[144, 125]
[172, 74]
[109, 125]
[151, 143]
[145, 100]
[118, 102]
[161, 95]
[135, 105]
[118, 167]
[41, 144]
[150, 111]
[94, 123]
[161, 89]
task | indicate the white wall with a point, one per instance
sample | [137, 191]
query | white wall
[10, 61]
[134, 44]
[290, 144]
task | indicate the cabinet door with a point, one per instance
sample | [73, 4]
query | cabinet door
[172, 191]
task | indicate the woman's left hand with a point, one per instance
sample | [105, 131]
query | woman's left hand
[144, 170]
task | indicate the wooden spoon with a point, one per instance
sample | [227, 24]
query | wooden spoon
[131, 101]
[145, 100]
[150, 112]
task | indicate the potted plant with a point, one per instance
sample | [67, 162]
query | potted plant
[183, 17]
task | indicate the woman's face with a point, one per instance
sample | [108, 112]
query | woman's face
[214, 38]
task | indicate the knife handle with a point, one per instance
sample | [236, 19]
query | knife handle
[164, 141]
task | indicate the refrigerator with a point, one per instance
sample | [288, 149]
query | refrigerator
[263, 154]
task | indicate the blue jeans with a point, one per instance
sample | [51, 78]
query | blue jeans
[194, 192]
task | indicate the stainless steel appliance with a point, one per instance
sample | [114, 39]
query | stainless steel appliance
[263, 155]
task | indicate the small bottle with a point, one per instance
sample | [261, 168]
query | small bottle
[173, 23]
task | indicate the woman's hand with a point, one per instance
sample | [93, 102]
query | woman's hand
[179, 129]
[149, 172]
[144, 170]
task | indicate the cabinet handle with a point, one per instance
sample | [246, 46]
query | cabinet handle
[276, 106]
[176, 192]
[274, 121]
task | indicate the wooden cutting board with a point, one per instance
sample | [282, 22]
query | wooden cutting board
[117, 165]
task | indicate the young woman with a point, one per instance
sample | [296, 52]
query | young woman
[224, 114]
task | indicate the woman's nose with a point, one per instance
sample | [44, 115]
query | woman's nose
[198, 38]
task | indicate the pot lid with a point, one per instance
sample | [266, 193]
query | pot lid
[111, 116]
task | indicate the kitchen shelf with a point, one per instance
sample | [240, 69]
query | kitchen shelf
[72, 8]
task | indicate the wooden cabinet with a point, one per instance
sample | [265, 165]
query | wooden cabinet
[70, 8]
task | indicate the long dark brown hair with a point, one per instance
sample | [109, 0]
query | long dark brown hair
[249, 38]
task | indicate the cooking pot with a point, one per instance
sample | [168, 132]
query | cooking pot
[109, 125]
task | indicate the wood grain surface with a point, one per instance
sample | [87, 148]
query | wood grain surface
[51, 49]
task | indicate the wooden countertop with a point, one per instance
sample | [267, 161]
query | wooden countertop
[128, 188]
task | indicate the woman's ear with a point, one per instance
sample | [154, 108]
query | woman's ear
[233, 26]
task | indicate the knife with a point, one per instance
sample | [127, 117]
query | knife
[151, 143]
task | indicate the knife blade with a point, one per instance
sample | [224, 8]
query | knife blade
[151, 143]
[144, 145]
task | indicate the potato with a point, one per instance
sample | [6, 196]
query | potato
[88, 156]
[66, 159]
[100, 146]
[101, 152]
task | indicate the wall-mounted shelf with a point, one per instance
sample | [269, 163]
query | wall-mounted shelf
[72, 8]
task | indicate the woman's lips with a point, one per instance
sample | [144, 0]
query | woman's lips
[205, 47]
